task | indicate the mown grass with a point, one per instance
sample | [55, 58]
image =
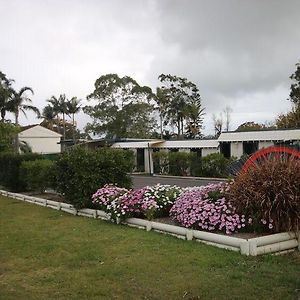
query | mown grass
[48, 254]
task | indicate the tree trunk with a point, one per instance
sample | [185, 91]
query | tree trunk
[17, 142]
[73, 128]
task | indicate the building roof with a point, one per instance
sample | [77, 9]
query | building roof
[168, 144]
[37, 131]
[260, 135]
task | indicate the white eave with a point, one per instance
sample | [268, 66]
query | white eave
[267, 135]
[184, 144]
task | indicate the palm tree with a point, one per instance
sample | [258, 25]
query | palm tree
[73, 107]
[6, 93]
[60, 107]
[48, 115]
[18, 104]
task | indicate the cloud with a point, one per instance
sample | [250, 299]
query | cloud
[239, 53]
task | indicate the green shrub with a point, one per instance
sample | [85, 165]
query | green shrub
[269, 194]
[10, 176]
[161, 162]
[37, 174]
[214, 165]
[80, 172]
[180, 162]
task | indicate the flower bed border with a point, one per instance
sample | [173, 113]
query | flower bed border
[274, 243]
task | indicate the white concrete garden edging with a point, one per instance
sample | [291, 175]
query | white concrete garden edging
[275, 243]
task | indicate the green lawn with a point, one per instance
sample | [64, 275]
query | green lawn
[48, 254]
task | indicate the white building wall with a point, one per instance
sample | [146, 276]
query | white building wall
[206, 151]
[236, 149]
[43, 145]
[265, 144]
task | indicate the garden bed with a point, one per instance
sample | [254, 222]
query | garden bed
[274, 243]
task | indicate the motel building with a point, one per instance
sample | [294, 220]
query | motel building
[231, 143]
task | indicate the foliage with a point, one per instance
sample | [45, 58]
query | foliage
[80, 172]
[295, 86]
[180, 162]
[291, 119]
[215, 165]
[122, 108]
[7, 133]
[161, 162]
[269, 194]
[182, 105]
[6, 93]
[207, 208]
[37, 174]
[251, 126]
[10, 176]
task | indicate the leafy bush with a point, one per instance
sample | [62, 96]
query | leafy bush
[269, 194]
[79, 172]
[161, 162]
[37, 174]
[214, 165]
[208, 208]
[180, 162]
[7, 134]
[10, 176]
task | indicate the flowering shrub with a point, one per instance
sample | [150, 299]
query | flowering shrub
[134, 204]
[207, 208]
[104, 196]
[164, 196]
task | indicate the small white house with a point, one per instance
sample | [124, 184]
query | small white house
[40, 139]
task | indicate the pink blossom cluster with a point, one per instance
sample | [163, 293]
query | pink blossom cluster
[207, 208]
[104, 196]
[135, 203]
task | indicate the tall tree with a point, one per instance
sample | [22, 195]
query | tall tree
[118, 104]
[194, 117]
[6, 93]
[161, 99]
[73, 107]
[20, 103]
[218, 124]
[181, 94]
[292, 118]
[49, 116]
[227, 116]
[295, 86]
[60, 107]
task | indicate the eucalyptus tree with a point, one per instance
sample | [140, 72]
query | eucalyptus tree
[73, 107]
[182, 95]
[120, 107]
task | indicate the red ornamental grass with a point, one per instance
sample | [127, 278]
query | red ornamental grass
[270, 194]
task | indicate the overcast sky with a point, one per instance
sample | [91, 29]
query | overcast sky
[239, 53]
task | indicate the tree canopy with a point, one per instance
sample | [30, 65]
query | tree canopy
[182, 105]
[120, 107]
